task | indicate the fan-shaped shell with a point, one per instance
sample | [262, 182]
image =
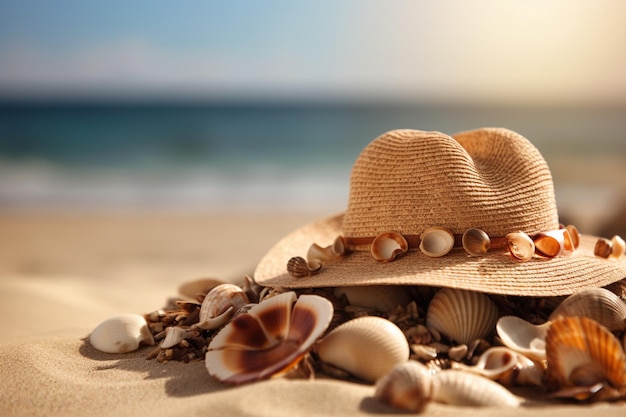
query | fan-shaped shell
[269, 339]
[388, 245]
[598, 304]
[436, 241]
[383, 298]
[408, 386]
[581, 352]
[463, 316]
[121, 334]
[220, 304]
[464, 388]
[367, 347]
[523, 337]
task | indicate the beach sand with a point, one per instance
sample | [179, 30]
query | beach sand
[63, 273]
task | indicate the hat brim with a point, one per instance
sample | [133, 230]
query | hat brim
[496, 272]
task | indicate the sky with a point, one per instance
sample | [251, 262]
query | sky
[559, 51]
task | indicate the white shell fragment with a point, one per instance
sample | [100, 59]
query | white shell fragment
[523, 337]
[464, 388]
[220, 304]
[436, 242]
[408, 386]
[366, 347]
[388, 245]
[173, 336]
[121, 334]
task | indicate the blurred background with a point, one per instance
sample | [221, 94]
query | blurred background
[263, 106]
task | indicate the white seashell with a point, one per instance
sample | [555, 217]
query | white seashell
[436, 242]
[383, 298]
[268, 340]
[220, 304]
[173, 336]
[618, 247]
[464, 388]
[598, 304]
[408, 386]
[476, 242]
[463, 316]
[520, 245]
[121, 334]
[523, 337]
[388, 245]
[367, 347]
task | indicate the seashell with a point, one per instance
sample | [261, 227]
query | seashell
[328, 253]
[382, 298]
[436, 241]
[495, 363]
[618, 247]
[268, 340]
[298, 267]
[523, 337]
[520, 245]
[572, 237]
[476, 242]
[173, 336]
[408, 386]
[458, 387]
[598, 304]
[121, 334]
[603, 248]
[463, 316]
[550, 243]
[388, 245]
[367, 347]
[583, 353]
[220, 304]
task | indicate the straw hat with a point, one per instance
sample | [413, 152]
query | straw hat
[413, 191]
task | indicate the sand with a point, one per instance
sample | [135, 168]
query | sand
[63, 273]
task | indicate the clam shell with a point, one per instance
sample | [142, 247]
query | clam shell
[408, 386]
[436, 241]
[523, 337]
[463, 316]
[220, 304]
[269, 339]
[598, 304]
[367, 347]
[464, 388]
[388, 245]
[476, 242]
[520, 245]
[581, 352]
[121, 334]
[382, 298]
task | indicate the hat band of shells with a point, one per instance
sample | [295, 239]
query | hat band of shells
[439, 241]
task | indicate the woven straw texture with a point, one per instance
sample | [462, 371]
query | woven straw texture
[407, 181]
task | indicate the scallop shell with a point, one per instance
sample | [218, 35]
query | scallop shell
[523, 337]
[436, 242]
[520, 245]
[463, 316]
[367, 347]
[220, 304]
[476, 242]
[598, 304]
[121, 334]
[268, 340]
[382, 298]
[408, 386]
[583, 353]
[464, 388]
[388, 245]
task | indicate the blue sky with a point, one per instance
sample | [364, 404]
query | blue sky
[551, 50]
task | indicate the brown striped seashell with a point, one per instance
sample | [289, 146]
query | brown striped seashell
[583, 353]
[367, 347]
[523, 337]
[598, 304]
[268, 340]
[463, 388]
[463, 316]
[298, 267]
[388, 245]
[408, 386]
[121, 334]
[476, 242]
[551, 243]
[220, 304]
[520, 245]
[383, 298]
[436, 242]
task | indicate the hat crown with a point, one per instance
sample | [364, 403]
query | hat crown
[492, 179]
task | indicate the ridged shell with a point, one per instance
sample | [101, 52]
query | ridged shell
[520, 245]
[383, 298]
[523, 337]
[220, 304]
[121, 334]
[436, 242]
[598, 304]
[408, 386]
[476, 242]
[388, 245]
[581, 352]
[463, 316]
[467, 389]
[298, 267]
[269, 339]
[367, 347]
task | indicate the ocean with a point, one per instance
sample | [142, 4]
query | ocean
[248, 156]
